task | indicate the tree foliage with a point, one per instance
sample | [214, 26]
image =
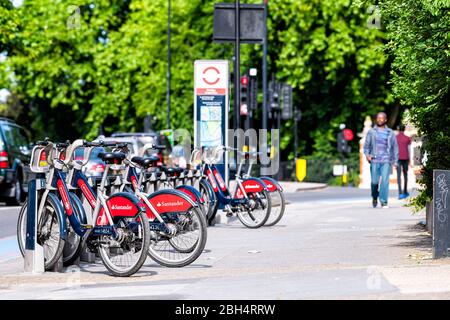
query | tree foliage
[110, 69]
[419, 34]
[336, 64]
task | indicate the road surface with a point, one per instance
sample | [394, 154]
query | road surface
[331, 244]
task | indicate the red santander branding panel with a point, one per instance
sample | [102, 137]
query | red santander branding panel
[102, 219]
[189, 193]
[134, 182]
[270, 186]
[87, 192]
[164, 203]
[64, 197]
[250, 186]
[120, 206]
[212, 181]
[220, 180]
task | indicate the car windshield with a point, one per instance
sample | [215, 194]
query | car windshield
[79, 153]
[96, 152]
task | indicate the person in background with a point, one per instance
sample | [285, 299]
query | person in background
[381, 150]
[403, 142]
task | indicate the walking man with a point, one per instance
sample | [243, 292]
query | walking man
[381, 150]
[403, 142]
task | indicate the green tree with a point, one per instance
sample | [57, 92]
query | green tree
[132, 67]
[105, 65]
[51, 61]
[336, 64]
[8, 24]
[418, 32]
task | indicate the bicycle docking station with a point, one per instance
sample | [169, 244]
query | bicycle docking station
[34, 253]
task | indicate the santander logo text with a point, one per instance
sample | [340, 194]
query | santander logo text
[252, 186]
[169, 204]
[117, 207]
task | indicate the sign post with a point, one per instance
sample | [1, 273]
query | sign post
[441, 213]
[211, 106]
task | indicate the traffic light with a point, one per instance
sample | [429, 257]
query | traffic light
[274, 96]
[244, 92]
[343, 137]
[253, 89]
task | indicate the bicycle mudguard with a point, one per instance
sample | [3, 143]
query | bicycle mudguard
[77, 202]
[209, 190]
[123, 204]
[193, 193]
[74, 220]
[271, 184]
[167, 201]
[251, 185]
[60, 212]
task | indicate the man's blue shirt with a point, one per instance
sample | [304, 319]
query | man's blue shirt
[382, 146]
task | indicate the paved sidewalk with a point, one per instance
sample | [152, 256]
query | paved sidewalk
[320, 250]
[291, 186]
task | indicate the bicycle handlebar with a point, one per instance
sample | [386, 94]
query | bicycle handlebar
[43, 143]
[90, 146]
[63, 145]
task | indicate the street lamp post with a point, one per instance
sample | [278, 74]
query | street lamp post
[237, 63]
[264, 68]
[169, 58]
[265, 110]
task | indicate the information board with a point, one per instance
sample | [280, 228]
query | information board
[211, 105]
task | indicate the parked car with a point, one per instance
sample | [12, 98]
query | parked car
[15, 153]
[95, 166]
[141, 139]
[137, 142]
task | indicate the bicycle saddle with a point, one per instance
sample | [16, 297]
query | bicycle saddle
[145, 162]
[171, 170]
[112, 157]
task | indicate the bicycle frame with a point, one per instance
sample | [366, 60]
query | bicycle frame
[271, 183]
[136, 181]
[103, 208]
[167, 202]
[50, 191]
[243, 186]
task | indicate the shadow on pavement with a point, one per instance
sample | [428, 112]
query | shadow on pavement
[415, 237]
[191, 266]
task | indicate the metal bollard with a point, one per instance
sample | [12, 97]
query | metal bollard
[34, 253]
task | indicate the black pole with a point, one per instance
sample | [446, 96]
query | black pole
[264, 69]
[169, 58]
[295, 133]
[265, 111]
[237, 63]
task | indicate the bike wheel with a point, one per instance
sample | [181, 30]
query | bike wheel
[259, 211]
[125, 255]
[188, 226]
[49, 236]
[208, 207]
[186, 245]
[277, 203]
[22, 228]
